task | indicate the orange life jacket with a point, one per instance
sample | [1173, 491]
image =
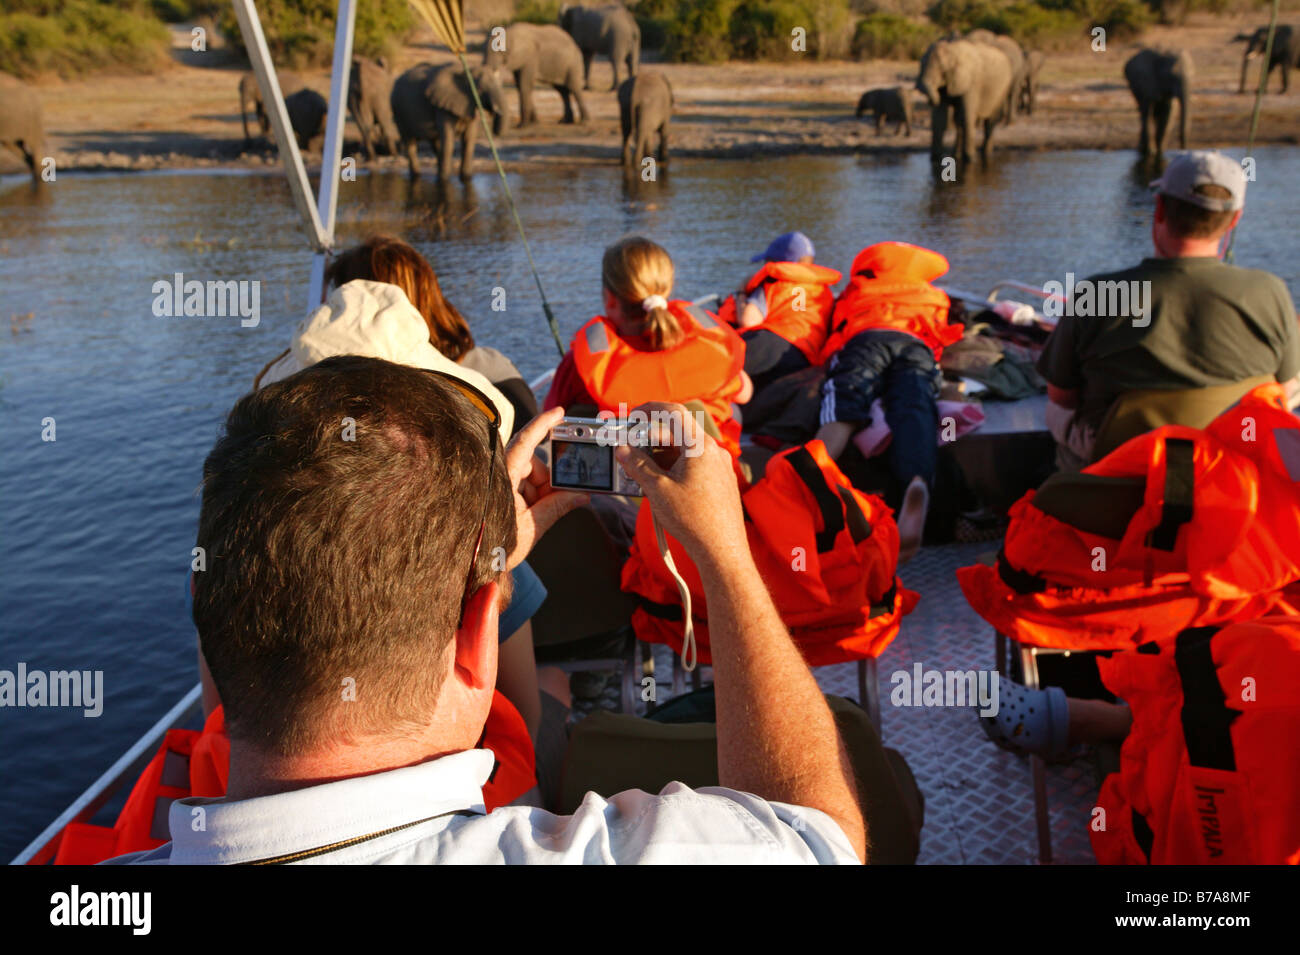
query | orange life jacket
[1210, 771]
[889, 287]
[704, 366]
[1216, 540]
[197, 763]
[799, 303]
[827, 552]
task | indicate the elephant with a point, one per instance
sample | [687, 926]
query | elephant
[540, 54]
[645, 106]
[369, 91]
[434, 103]
[250, 99]
[971, 79]
[610, 30]
[888, 103]
[1285, 52]
[307, 110]
[1034, 60]
[1019, 64]
[21, 128]
[1156, 78]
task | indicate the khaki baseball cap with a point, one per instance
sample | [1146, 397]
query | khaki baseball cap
[1204, 167]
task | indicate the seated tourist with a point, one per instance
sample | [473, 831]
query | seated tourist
[386, 258]
[784, 311]
[888, 330]
[1201, 323]
[647, 347]
[363, 317]
[388, 580]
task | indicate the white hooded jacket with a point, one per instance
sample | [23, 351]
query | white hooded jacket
[376, 320]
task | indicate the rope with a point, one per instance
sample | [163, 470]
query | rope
[546, 306]
[1259, 102]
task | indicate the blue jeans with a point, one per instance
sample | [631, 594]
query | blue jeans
[900, 370]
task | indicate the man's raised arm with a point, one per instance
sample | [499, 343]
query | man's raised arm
[777, 737]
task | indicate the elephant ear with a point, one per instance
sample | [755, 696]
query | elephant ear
[960, 62]
[449, 90]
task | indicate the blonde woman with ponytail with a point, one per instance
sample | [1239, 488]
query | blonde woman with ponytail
[650, 347]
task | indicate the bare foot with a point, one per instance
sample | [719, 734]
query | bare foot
[911, 519]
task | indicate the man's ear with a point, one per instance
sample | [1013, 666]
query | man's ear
[476, 638]
[1160, 208]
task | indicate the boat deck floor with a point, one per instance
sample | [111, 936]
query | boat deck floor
[978, 798]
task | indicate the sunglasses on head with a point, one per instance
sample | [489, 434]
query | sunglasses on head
[484, 404]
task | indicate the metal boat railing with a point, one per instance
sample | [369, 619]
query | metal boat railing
[123, 772]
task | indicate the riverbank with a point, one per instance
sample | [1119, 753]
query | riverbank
[187, 116]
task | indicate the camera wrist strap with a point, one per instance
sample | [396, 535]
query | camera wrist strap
[689, 655]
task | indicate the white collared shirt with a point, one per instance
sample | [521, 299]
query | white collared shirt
[679, 825]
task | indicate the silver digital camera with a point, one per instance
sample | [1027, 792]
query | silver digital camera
[582, 455]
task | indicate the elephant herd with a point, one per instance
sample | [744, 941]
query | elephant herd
[981, 80]
[436, 104]
[973, 82]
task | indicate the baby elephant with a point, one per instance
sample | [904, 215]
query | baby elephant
[645, 105]
[888, 103]
[307, 110]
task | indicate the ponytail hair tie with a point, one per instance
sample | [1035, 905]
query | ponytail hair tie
[651, 302]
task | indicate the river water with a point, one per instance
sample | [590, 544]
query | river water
[96, 526]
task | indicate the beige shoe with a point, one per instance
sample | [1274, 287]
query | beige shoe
[911, 519]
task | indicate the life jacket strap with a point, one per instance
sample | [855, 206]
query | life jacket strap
[828, 502]
[1206, 718]
[1180, 483]
[1021, 581]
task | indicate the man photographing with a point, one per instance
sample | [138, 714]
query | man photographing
[377, 561]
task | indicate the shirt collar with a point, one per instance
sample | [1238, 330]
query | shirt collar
[214, 832]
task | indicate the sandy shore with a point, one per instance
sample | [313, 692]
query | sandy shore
[187, 116]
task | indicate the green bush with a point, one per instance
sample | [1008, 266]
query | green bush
[711, 31]
[764, 30]
[186, 11]
[300, 33]
[1123, 19]
[537, 11]
[1032, 25]
[887, 36]
[72, 37]
[830, 30]
[961, 15]
[698, 31]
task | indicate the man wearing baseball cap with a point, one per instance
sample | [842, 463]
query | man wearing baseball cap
[1192, 320]
[784, 310]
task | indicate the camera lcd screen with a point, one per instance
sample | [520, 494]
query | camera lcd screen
[582, 465]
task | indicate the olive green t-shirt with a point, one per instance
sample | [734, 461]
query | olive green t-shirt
[1206, 323]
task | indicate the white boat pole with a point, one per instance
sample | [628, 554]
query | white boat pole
[332, 153]
[250, 27]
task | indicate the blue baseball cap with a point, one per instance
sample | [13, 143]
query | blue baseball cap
[790, 247]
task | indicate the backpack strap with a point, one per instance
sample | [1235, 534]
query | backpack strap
[1180, 483]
